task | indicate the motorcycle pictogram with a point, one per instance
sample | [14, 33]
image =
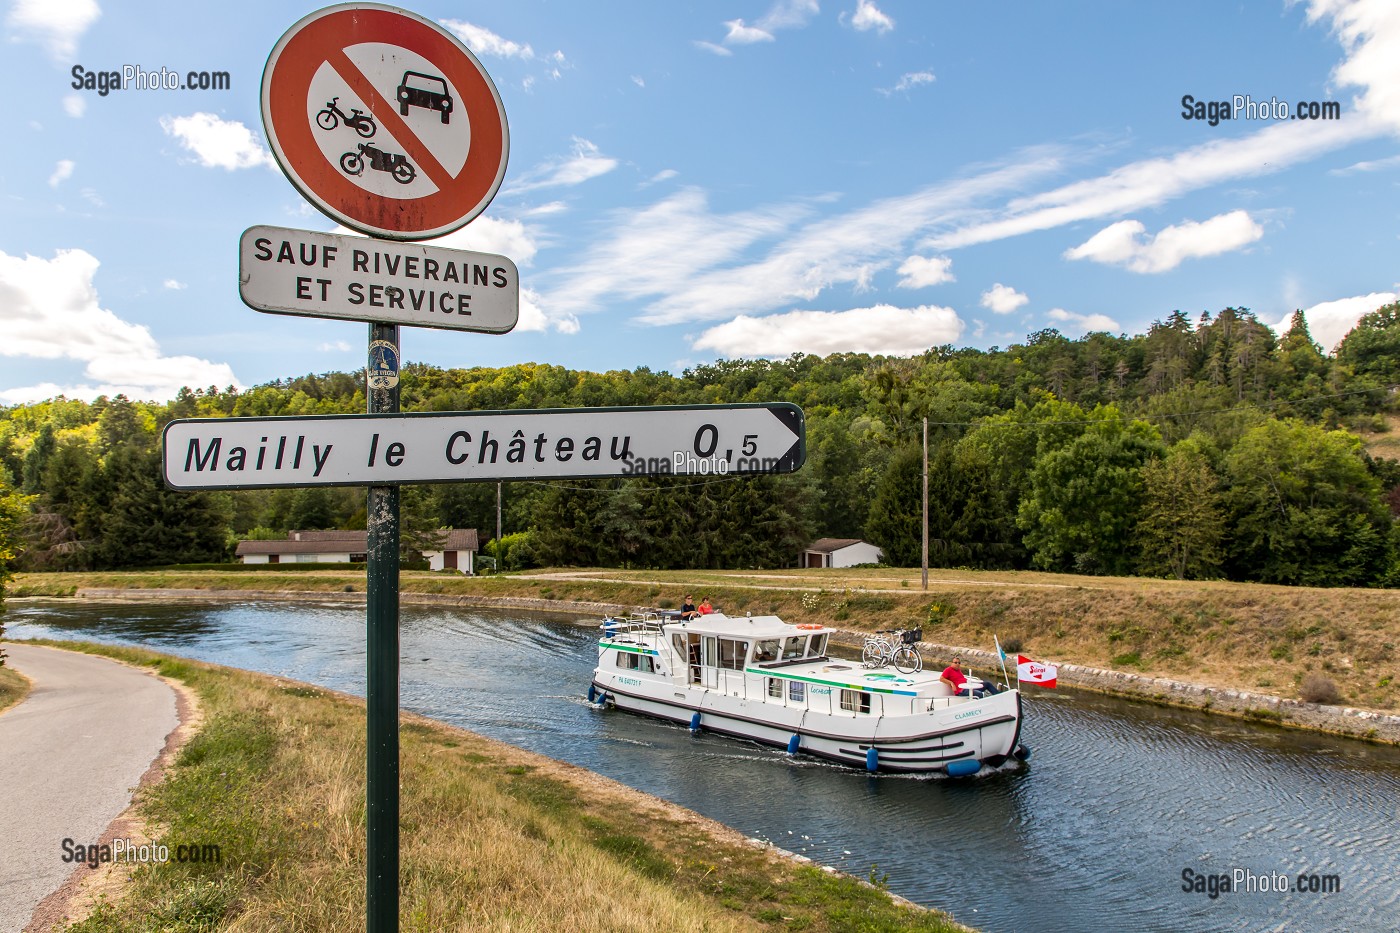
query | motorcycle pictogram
[358, 120]
[395, 164]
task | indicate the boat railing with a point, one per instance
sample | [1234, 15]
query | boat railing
[636, 626]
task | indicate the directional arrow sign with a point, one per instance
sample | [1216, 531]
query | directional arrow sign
[364, 450]
[353, 278]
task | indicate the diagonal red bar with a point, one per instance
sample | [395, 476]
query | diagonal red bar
[388, 115]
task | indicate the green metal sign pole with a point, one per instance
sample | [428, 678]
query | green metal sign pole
[382, 665]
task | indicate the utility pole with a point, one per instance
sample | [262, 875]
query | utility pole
[498, 526]
[925, 563]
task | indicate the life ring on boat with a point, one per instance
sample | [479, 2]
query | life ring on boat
[810, 625]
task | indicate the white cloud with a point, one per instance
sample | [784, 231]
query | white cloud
[55, 24]
[49, 310]
[175, 285]
[1084, 323]
[1369, 31]
[509, 238]
[483, 41]
[1372, 165]
[712, 48]
[585, 163]
[75, 105]
[91, 196]
[881, 329]
[335, 346]
[868, 16]
[1120, 244]
[1003, 299]
[218, 143]
[551, 207]
[742, 34]
[666, 174]
[639, 81]
[835, 250]
[785, 14]
[921, 271]
[907, 82]
[62, 171]
[660, 249]
[1330, 321]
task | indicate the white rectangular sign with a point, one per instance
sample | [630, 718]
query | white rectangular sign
[369, 450]
[355, 278]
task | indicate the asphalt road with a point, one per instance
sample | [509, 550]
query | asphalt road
[70, 756]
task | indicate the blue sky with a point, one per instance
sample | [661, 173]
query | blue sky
[723, 179]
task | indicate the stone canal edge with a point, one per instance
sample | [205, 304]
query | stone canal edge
[1369, 725]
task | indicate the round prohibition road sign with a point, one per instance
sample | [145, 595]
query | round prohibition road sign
[385, 121]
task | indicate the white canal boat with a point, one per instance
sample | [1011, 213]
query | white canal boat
[760, 678]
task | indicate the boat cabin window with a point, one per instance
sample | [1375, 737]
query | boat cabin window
[775, 688]
[732, 653]
[797, 691]
[630, 661]
[766, 650]
[818, 647]
[855, 701]
[794, 647]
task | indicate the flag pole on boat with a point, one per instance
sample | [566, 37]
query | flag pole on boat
[1005, 677]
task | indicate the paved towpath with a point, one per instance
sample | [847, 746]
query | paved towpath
[71, 753]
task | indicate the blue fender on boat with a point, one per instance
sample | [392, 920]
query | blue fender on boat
[794, 743]
[1022, 753]
[592, 692]
[963, 768]
[695, 721]
[872, 760]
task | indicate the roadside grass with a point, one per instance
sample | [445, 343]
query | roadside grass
[1244, 636]
[14, 687]
[492, 837]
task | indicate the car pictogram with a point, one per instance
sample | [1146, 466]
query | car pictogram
[426, 91]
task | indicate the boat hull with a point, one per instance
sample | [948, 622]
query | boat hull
[956, 739]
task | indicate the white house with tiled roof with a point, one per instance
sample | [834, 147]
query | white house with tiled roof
[839, 552]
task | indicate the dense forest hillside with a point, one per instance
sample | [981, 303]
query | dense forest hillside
[1201, 449]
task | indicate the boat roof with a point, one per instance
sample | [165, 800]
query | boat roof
[717, 623]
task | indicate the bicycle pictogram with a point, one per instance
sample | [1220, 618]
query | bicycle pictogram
[358, 120]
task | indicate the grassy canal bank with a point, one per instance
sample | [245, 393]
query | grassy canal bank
[1334, 646]
[492, 837]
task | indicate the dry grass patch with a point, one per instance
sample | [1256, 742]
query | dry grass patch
[492, 837]
[14, 687]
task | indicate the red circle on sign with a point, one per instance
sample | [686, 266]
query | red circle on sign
[322, 38]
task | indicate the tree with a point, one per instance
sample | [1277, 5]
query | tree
[1084, 499]
[1181, 528]
[895, 524]
[1372, 347]
[1304, 508]
[12, 509]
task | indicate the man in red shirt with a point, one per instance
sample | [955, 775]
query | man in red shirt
[954, 678]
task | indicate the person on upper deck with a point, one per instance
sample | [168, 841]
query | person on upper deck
[705, 607]
[688, 610]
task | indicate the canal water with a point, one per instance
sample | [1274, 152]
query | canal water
[1095, 833]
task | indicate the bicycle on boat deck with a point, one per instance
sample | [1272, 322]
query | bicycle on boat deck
[893, 646]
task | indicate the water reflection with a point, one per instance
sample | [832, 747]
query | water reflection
[1118, 800]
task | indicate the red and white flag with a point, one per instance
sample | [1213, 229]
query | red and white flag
[1035, 672]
